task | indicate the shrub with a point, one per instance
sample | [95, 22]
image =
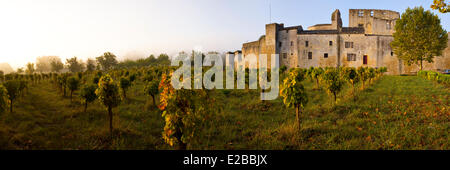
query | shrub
[108, 95]
[72, 84]
[294, 93]
[332, 81]
[3, 98]
[124, 84]
[88, 95]
[13, 90]
[151, 89]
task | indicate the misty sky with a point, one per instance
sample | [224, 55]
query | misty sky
[138, 28]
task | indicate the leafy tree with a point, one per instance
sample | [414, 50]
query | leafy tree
[72, 84]
[63, 83]
[163, 60]
[124, 84]
[30, 68]
[293, 92]
[3, 98]
[20, 70]
[441, 6]
[13, 90]
[332, 81]
[419, 36]
[371, 74]
[107, 61]
[351, 75]
[88, 95]
[316, 73]
[151, 89]
[74, 65]
[56, 65]
[362, 74]
[43, 64]
[184, 111]
[90, 65]
[2, 76]
[108, 94]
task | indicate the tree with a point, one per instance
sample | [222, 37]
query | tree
[107, 61]
[88, 95]
[441, 6]
[90, 65]
[362, 75]
[293, 92]
[30, 68]
[72, 84]
[74, 65]
[184, 111]
[371, 73]
[163, 60]
[43, 64]
[332, 81]
[2, 76]
[56, 65]
[108, 94]
[20, 70]
[316, 73]
[151, 89]
[419, 36]
[350, 74]
[3, 98]
[13, 90]
[124, 84]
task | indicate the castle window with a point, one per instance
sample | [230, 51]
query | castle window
[292, 53]
[306, 43]
[360, 25]
[348, 44]
[360, 13]
[325, 55]
[392, 53]
[371, 13]
[388, 25]
[331, 43]
[309, 55]
[351, 57]
[292, 43]
[284, 55]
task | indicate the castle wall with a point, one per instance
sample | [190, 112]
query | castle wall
[318, 45]
[374, 21]
[372, 40]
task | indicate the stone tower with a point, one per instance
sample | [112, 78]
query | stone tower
[336, 21]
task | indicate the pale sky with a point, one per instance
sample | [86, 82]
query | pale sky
[138, 28]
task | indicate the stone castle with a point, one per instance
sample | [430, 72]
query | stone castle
[365, 42]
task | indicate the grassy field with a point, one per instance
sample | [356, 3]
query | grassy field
[395, 112]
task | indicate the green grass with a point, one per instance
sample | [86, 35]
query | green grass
[395, 112]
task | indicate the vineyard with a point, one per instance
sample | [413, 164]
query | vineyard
[318, 108]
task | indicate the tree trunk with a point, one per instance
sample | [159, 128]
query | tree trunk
[317, 83]
[354, 92]
[71, 92]
[421, 65]
[11, 107]
[154, 102]
[297, 115]
[124, 94]
[110, 120]
[334, 94]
